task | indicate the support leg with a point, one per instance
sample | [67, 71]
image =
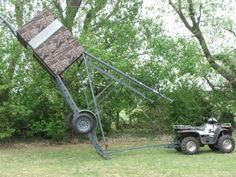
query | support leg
[94, 141]
[93, 136]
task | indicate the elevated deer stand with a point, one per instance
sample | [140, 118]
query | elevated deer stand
[56, 50]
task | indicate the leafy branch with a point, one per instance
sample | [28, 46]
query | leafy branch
[194, 28]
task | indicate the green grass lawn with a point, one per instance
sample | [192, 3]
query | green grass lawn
[42, 160]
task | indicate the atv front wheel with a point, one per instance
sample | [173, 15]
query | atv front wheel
[213, 147]
[226, 144]
[176, 141]
[190, 145]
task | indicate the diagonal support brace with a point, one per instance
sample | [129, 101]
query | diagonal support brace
[8, 24]
[94, 141]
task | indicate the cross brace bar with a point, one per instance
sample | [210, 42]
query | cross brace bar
[119, 81]
[128, 77]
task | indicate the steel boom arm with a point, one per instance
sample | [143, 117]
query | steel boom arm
[3, 20]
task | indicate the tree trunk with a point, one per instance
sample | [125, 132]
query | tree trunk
[117, 120]
[19, 12]
[195, 29]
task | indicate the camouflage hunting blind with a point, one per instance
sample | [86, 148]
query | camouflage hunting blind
[53, 45]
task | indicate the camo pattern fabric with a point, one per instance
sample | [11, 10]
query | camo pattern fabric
[35, 26]
[59, 51]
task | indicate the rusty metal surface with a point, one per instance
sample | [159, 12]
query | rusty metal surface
[59, 51]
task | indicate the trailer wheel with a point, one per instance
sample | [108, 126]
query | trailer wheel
[190, 145]
[213, 147]
[84, 123]
[68, 119]
[226, 144]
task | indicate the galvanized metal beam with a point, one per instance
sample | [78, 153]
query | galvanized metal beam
[106, 88]
[112, 151]
[93, 96]
[120, 81]
[8, 24]
[128, 77]
[67, 95]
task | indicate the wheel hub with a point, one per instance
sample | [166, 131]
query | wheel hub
[191, 146]
[227, 144]
[83, 124]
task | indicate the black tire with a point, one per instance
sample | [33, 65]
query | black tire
[190, 145]
[213, 147]
[178, 149]
[176, 141]
[226, 144]
[69, 119]
[84, 123]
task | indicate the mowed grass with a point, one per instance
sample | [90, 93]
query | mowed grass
[43, 160]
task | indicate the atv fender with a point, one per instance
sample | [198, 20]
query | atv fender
[219, 132]
[185, 133]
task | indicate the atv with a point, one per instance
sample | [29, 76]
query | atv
[188, 139]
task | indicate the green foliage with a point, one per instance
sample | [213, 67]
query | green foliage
[190, 106]
[56, 128]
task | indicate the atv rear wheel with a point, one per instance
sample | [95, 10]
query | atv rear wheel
[226, 144]
[213, 147]
[190, 145]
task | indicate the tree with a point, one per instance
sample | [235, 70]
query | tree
[72, 7]
[227, 69]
